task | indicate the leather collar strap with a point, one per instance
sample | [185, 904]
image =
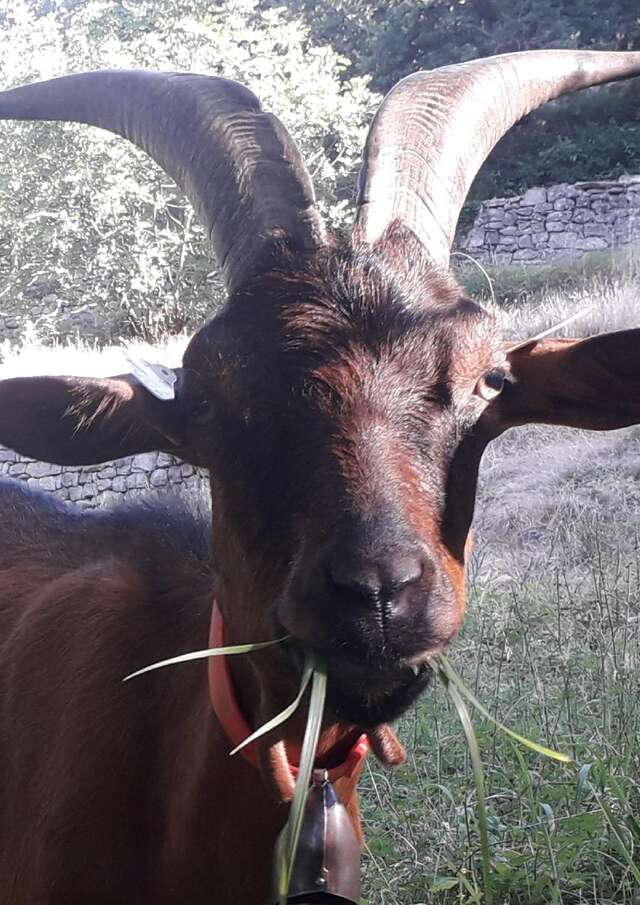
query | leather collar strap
[225, 707]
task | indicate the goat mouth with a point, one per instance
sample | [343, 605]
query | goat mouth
[369, 694]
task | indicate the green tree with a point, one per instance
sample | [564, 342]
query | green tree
[86, 218]
[594, 135]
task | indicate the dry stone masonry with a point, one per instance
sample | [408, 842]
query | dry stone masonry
[554, 222]
[41, 306]
[90, 486]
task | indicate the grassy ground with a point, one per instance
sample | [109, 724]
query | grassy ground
[557, 658]
[551, 646]
[514, 284]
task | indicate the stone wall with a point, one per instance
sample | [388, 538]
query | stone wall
[554, 222]
[89, 486]
[42, 305]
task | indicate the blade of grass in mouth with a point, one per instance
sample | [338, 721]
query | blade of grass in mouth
[287, 853]
[202, 654]
[458, 691]
[285, 714]
[314, 669]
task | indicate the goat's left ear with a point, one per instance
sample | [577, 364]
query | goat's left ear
[83, 421]
[590, 383]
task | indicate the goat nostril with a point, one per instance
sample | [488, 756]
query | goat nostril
[375, 579]
[406, 571]
[405, 577]
[341, 577]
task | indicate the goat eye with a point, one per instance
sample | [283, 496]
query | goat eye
[202, 412]
[490, 384]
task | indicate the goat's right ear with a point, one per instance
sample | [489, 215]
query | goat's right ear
[589, 383]
[83, 421]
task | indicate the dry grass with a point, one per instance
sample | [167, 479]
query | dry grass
[604, 304]
[542, 488]
[597, 273]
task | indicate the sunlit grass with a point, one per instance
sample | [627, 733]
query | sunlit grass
[34, 356]
[512, 285]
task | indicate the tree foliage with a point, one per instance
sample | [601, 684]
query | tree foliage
[88, 219]
[592, 135]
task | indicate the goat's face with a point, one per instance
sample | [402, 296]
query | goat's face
[343, 399]
[335, 421]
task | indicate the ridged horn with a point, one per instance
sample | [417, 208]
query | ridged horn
[238, 165]
[434, 130]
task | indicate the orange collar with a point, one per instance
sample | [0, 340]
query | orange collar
[225, 707]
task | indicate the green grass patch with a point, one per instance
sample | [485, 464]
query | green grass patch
[559, 663]
[516, 283]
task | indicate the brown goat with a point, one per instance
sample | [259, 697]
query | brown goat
[341, 402]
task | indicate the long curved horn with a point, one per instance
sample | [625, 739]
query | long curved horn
[239, 166]
[434, 130]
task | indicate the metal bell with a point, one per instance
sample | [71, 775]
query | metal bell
[327, 865]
